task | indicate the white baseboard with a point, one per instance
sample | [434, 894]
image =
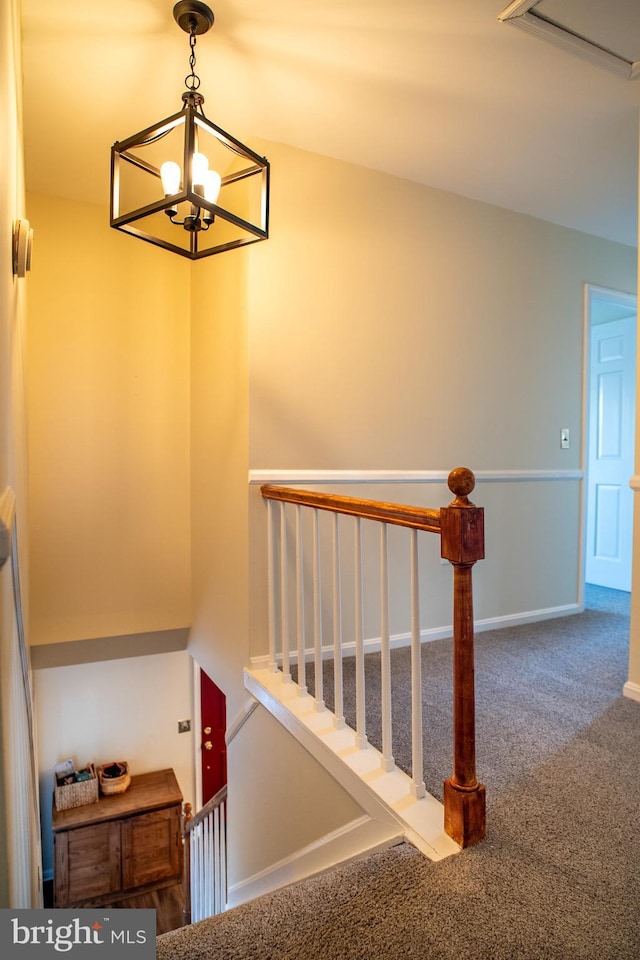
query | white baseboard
[631, 690]
[358, 838]
[373, 644]
[528, 616]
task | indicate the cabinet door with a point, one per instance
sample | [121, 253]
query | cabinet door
[151, 848]
[87, 863]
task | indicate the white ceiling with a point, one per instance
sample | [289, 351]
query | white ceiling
[437, 91]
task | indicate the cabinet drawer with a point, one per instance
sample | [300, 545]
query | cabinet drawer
[151, 848]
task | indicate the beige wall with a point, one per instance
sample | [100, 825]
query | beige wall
[109, 448]
[108, 406]
[17, 852]
[393, 326]
[396, 326]
[383, 325]
[219, 638]
[280, 798]
[390, 325]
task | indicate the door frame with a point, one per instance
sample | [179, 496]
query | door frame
[622, 299]
[197, 735]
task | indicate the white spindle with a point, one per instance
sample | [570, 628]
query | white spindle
[300, 626]
[284, 595]
[213, 883]
[317, 616]
[271, 568]
[337, 628]
[195, 875]
[201, 869]
[417, 782]
[361, 720]
[193, 889]
[223, 857]
[206, 846]
[214, 818]
[385, 653]
[217, 862]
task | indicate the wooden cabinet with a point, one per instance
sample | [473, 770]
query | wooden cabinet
[120, 845]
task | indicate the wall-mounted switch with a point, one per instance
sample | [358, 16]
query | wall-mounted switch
[184, 726]
[564, 438]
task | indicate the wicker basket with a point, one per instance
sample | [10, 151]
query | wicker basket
[112, 785]
[77, 794]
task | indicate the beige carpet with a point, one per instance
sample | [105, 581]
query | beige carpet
[558, 876]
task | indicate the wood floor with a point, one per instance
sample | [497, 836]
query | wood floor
[168, 904]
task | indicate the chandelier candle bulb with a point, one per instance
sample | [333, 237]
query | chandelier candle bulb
[212, 184]
[199, 170]
[171, 176]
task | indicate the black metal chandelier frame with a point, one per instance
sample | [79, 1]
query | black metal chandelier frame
[201, 214]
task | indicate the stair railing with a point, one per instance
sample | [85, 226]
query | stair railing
[205, 859]
[461, 529]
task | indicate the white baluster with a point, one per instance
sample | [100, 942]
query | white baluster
[192, 874]
[337, 629]
[284, 595]
[213, 842]
[201, 871]
[217, 862]
[196, 874]
[206, 865]
[300, 625]
[417, 762]
[361, 720]
[385, 653]
[317, 617]
[223, 856]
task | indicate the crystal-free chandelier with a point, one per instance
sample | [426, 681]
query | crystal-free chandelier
[183, 183]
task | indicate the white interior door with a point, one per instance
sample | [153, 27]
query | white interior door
[611, 453]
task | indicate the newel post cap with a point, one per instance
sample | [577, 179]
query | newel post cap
[462, 523]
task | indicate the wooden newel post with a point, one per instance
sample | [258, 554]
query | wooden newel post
[462, 544]
[186, 839]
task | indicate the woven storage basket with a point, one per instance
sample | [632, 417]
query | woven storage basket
[77, 794]
[111, 785]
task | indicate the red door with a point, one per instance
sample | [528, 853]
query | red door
[213, 718]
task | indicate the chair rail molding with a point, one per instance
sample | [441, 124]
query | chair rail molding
[286, 476]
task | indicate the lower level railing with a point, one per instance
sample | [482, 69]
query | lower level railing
[293, 605]
[205, 859]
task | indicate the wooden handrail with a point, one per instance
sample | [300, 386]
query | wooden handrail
[461, 529]
[419, 518]
[192, 822]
